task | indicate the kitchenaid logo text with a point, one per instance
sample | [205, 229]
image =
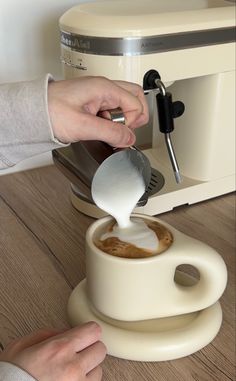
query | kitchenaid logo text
[151, 44]
[118, 46]
[74, 42]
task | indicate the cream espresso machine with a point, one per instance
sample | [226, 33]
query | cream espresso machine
[183, 54]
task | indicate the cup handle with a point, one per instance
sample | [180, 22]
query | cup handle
[213, 277]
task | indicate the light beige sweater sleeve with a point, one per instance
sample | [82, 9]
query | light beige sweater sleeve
[25, 131]
[10, 372]
[25, 127]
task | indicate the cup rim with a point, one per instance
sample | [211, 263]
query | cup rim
[94, 226]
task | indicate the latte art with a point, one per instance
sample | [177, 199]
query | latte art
[111, 244]
[137, 233]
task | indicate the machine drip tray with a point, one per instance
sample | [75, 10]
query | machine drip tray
[156, 183]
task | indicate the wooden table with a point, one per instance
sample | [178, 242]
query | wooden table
[42, 259]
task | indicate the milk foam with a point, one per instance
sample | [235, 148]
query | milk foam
[117, 190]
[137, 233]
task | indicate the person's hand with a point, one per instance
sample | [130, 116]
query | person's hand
[47, 355]
[74, 104]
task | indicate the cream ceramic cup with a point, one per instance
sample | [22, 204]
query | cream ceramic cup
[139, 289]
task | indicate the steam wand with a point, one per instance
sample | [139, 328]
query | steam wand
[167, 111]
[173, 159]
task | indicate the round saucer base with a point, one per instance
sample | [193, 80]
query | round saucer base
[149, 340]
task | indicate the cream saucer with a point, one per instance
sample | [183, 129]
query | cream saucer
[149, 340]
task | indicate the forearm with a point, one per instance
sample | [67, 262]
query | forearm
[25, 126]
[10, 372]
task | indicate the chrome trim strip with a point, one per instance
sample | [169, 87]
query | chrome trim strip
[115, 46]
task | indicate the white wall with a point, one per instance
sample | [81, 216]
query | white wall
[30, 46]
[29, 37]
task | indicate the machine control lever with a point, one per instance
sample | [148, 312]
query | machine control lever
[167, 111]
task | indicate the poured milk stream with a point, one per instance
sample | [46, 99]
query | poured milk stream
[116, 189]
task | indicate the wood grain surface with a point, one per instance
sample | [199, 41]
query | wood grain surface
[42, 260]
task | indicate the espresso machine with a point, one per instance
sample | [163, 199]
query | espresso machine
[183, 54]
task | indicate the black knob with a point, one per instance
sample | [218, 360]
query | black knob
[177, 109]
[149, 79]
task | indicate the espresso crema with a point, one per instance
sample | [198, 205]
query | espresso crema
[136, 246]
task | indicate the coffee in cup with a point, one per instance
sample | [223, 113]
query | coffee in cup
[113, 245]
